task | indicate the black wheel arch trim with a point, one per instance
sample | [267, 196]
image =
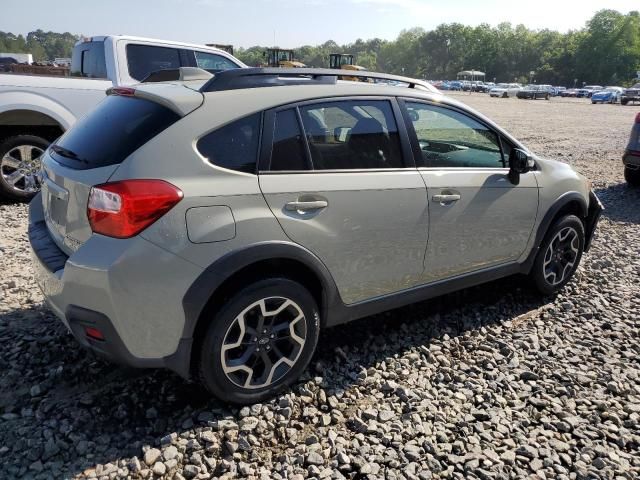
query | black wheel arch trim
[199, 294]
[590, 213]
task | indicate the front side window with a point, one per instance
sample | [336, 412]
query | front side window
[352, 134]
[450, 139]
[234, 146]
[146, 59]
[211, 61]
[288, 151]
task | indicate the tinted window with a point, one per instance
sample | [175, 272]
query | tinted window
[211, 61]
[288, 147]
[144, 59]
[88, 61]
[111, 132]
[352, 135]
[451, 139]
[234, 146]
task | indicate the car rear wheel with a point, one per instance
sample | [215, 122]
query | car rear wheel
[20, 162]
[632, 177]
[260, 341]
[559, 255]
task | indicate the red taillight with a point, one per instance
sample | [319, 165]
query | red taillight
[93, 333]
[122, 91]
[638, 118]
[123, 209]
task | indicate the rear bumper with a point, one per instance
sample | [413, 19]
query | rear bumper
[593, 216]
[131, 290]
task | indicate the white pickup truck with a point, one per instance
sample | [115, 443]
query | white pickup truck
[35, 110]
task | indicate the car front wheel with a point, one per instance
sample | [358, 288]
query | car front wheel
[260, 341]
[559, 255]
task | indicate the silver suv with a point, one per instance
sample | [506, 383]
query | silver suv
[214, 225]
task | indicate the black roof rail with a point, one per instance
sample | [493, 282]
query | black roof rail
[239, 78]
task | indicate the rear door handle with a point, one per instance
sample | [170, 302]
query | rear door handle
[445, 198]
[306, 206]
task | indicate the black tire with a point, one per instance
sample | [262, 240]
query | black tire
[624, 102]
[224, 332]
[632, 177]
[543, 267]
[11, 165]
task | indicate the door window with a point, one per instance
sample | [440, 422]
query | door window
[145, 59]
[450, 139]
[288, 151]
[211, 61]
[352, 134]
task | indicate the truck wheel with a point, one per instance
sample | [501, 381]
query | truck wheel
[559, 255]
[632, 177]
[624, 101]
[20, 161]
[260, 341]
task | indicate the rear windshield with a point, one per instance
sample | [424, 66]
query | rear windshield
[88, 60]
[112, 132]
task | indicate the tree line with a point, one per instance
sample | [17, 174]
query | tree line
[44, 46]
[605, 51]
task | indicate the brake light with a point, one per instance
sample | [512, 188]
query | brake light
[638, 118]
[122, 91]
[124, 209]
[93, 333]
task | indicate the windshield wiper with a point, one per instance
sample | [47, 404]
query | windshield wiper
[65, 152]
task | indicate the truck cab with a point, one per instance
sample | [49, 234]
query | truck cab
[37, 109]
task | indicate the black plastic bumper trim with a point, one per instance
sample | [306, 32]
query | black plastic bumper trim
[45, 248]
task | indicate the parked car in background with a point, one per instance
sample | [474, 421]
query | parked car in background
[630, 95]
[588, 90]
[505, 90]
[558, 91]
[570, 92]
[35, 110]
[608, 95]
[631, 158]
[455, 85]
[534, 92]
[216, 228]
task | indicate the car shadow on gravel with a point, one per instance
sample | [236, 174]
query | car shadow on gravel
[66, 410]
[620, 202]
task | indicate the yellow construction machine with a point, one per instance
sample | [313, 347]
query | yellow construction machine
[283, 58]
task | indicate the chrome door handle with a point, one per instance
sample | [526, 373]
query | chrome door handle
[453, 197]
[305, 206]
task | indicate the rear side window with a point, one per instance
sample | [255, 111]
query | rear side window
[352, 134]
[211, 61]
[88, 61]
[145, 59]
[288, 148]
[234, 146]
[114, 130]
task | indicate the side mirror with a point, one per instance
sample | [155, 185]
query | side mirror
[519, 162]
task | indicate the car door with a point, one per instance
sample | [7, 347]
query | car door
[477, 217]
[339, 177]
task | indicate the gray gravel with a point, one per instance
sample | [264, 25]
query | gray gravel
[491, 382]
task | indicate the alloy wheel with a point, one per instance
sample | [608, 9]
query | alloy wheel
[561, 256]
[19, 168]
[263, 342]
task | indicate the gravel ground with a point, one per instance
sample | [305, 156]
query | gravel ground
[491, 382]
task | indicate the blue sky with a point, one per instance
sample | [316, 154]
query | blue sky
[292, 22]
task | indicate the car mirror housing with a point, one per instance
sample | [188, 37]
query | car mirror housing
[520, 162]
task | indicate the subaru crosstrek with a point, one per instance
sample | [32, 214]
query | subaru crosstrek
[214, 225]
